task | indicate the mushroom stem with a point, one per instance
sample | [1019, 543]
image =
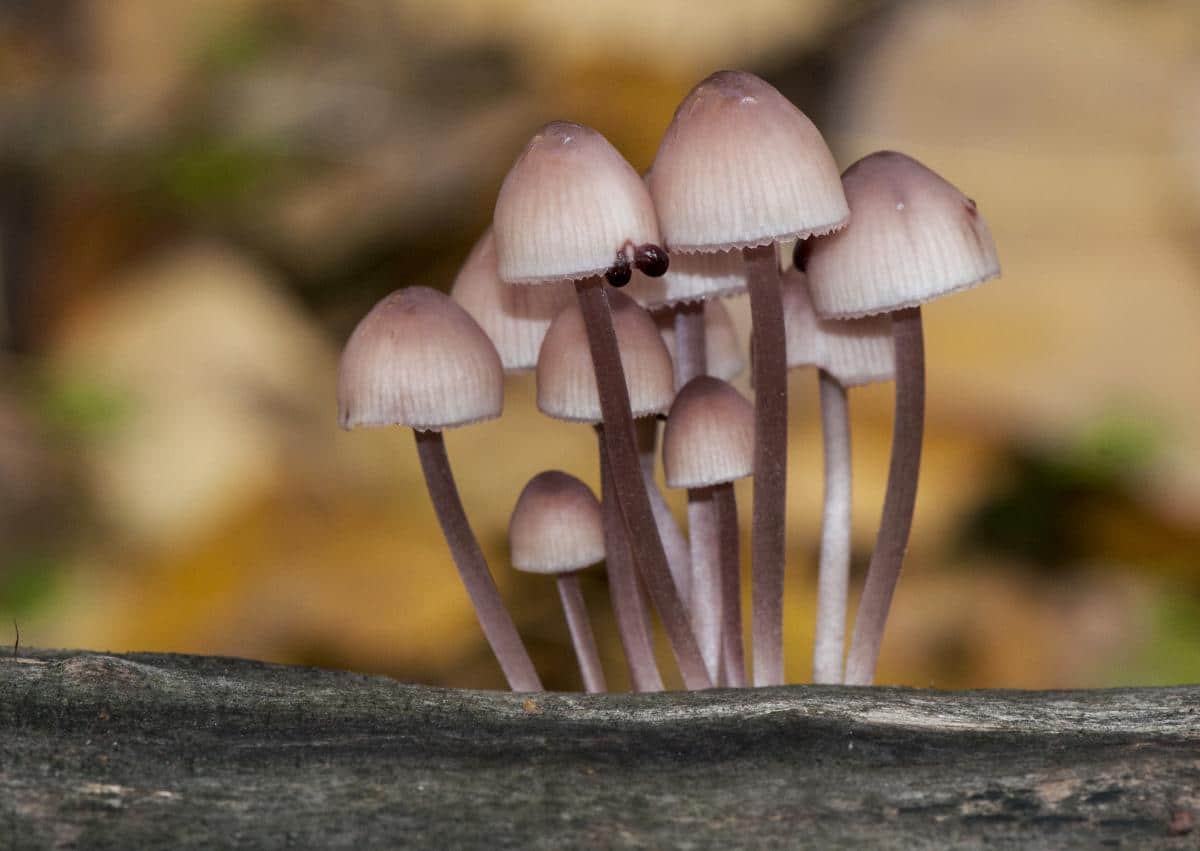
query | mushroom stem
[674, 541]
[733, 654]
[690, 356]
[497, 625]
[575, 609]
[829, 646]
[630, 486]
[706, 576]
[629, 607]
[770, 462]
[892, 540]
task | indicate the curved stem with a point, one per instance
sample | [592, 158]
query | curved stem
[497, 625]
[673, 539]
[892, 540]
[629, 607]
[706, 576]
[770, 463]
[630, 486]
[733, 654]
[691, 359]
[833, 578]
[575, 609]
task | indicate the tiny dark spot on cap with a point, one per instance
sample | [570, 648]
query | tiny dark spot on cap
[620, 272]
[651, 260]
[970, 205]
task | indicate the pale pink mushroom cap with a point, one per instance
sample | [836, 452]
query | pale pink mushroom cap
[556, 526]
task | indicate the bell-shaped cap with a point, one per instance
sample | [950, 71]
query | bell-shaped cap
[913, 237]
[566, 379]
[419, 360]
[556, 526]
[709, 436]
[568, 207]
[691, 277]
[722, 351]
[741, 166]
[515, 318]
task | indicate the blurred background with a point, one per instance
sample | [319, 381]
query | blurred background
[198, 200]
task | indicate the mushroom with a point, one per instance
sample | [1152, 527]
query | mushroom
[722, 350]
[847, 353]
[417, 359]
[567, 390]
[914, 237]
[741, 168]
[556, 529]
[571, 208]
[515, 318]
[708, 443]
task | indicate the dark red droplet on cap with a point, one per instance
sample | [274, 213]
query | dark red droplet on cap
[620, 272]
[799, 260]
[971, 207]
[652, 260]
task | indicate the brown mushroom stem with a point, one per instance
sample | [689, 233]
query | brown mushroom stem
[690, 356]
[892, 540]
[833, 577]
[629, 607]
[770, 463]
[706, 576]
[674, 541]
[733, 657]
[497, 625]
[582, 637]
[630, 486]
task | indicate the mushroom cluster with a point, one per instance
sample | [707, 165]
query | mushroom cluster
[740, 173]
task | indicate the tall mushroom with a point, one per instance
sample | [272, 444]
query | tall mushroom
[514, 318]
[556, 529]
[417, 359]
[567, 390]
[914, 237]
[847, 353]
[741, 168]
[708, 443]
[572, 208]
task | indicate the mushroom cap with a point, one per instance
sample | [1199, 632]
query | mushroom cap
[913, 237]
[854, 351]
[514, 318]
[566, 379]
[709, 436]
[722, 351]
[691, 277]
[417, 359]
[569, 205]
[556, 526]
[741, 166]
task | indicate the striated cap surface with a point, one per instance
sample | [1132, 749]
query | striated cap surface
[566, 379]
[741, 166]
[913, 237]
[568, 207]
[691, 277]
[556, 526]
[709, 436]
[515, 318]
[419, 360]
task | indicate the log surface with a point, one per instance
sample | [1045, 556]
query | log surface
[100, 751]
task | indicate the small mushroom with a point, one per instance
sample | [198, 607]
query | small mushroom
[514, 317]
[914, 237]
[557, 529]
[417, 359]
[567, 390]
[708, 443]
[740, 167]
[571, 208]
[847, 353]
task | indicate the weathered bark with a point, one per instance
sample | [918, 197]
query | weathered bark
[178, 751]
